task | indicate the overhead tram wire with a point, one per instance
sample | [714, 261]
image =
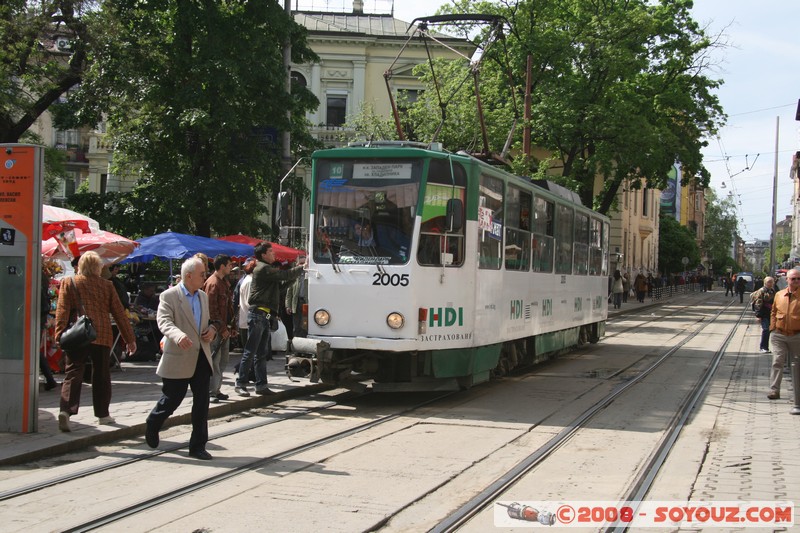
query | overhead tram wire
[734, 194]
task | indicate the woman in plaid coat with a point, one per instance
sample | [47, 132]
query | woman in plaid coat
[99, 298]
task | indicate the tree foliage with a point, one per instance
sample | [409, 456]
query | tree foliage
[619, 89]
[34, 72]
[721, 232]
[195, 98]
[674, 243]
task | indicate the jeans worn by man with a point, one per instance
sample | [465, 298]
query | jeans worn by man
[257, 351]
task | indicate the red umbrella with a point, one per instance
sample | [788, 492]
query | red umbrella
[282, 253]
[110, 246]
[57, 219]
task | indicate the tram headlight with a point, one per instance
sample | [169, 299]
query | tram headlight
[322, 317]
[395, 320]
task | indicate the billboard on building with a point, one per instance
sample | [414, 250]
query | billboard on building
[671, 196]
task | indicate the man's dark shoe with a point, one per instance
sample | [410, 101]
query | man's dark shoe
[222, 396]
[774, 395]
[265, 392]
[200, 454]
[151, 436]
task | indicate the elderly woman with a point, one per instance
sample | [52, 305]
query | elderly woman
[98, 297]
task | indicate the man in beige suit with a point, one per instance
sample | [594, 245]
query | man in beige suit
[183, 318]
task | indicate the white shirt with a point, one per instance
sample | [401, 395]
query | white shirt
[244, 295]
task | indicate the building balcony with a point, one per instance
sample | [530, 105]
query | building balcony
[332, 136]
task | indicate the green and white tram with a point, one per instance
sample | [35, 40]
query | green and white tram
[432, 270]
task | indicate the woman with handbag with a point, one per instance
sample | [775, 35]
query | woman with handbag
[84, 304]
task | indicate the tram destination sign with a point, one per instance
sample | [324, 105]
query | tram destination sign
[382, 171]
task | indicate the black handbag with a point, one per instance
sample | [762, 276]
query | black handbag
[82, 332]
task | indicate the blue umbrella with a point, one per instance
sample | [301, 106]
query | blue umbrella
[171, 245]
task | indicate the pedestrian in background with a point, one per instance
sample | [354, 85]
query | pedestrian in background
[240, 295]
[626, 286]
[88, 292]
[296, 297]
[728, 285]
[762, 304]
[183, 318]
[785, 327]
[220, 307]
[741, 283]
[44, 312]
[617, 289]
[640, 286]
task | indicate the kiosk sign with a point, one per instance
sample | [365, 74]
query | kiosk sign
[20, 282]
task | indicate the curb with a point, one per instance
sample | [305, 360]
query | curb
[138, 430]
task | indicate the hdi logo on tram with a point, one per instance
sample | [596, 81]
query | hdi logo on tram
[445, 316]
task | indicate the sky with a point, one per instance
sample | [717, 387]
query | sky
[759, 67]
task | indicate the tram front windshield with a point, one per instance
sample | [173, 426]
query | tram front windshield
[365, 209]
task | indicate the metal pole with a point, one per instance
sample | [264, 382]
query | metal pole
[286, 153]
[526, 129]
[771, 268]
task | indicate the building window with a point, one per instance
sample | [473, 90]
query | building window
[645, 203]
[298, 79]
[336, 109]
[66, 186]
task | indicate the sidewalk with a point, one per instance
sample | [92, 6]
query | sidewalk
[134, 391]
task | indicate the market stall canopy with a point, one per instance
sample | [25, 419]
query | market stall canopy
[171, 245]
[111, 247]
[58, 219]
[282, 253]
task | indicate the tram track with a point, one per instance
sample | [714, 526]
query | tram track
[211, 480]
[169, 448]
[118, 509]
[643, 481]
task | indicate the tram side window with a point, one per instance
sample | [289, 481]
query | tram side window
[581, 257]
[435, 246]
[564, 239]
[490, 222]
[543, 227]
[595, 247]
[518, 226]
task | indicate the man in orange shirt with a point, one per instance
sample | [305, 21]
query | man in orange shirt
[785, 327]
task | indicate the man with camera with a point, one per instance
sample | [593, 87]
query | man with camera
[264, 310]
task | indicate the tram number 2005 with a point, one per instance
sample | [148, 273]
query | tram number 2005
[395, 280]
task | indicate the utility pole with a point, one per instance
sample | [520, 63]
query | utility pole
[286, 152]
[771, 269]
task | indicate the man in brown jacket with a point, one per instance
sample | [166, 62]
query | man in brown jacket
[785, 327]
[220, 307]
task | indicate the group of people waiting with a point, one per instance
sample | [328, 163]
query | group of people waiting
[197, 319]
[621, 287]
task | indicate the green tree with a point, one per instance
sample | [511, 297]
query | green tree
[674, 243]
[619, 89]
[783, 252]
[34, 71]
[721, 231]
[195, 99]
